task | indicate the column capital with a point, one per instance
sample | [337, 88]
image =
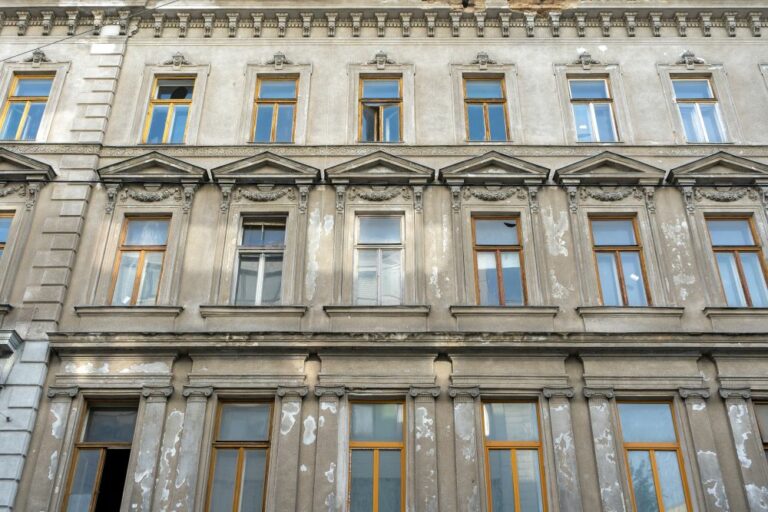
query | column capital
[157, 392]
[744, 393]
[599, 393]
[292, 392]
[330, 392]
[702, 393]
[197, 392]
[421, 393]
[63, 391]
[558, 392]
[464, 393]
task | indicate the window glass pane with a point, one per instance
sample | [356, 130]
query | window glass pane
[487, 279]
[284, 130]
[389, 481]
[711, 118]
[12, 120]
[146, 232]
[496, 232]
[647, 423]
[32, 123]
[497, 121]
[381, 89]
[730, 232]
[670, 480]
[361, 491]
[513, 278]
[263, 131]
[110, 424]
[633, 279]
[476, 120]
[273, 276]
[604, 121]
[511, 421]
[377, 422]
[150, 278]
[178, 124]
[170, 89]
[224, 475]
[529, 481]
[613, 232]
[729, 276]
[126, 278]
[33, 87]
[391, 278]
[157, 124]
[244, 422]
[263, 235]
[82, 484]
[379, 230]
[370, 122]
[609, 279]
[277, 89]
[502, 490]
[755, 278]
[5, 225]
[588, 89]
[691, 124]
[254, 471]
[692, 89]
[366, 283]
[484, 89]
[761, 410]
[391, 122]
[583, 120]
[642, 481]
[247, 280]
[113, 472]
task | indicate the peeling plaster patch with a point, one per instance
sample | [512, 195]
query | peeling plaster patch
[556, 229]
[86, 368]
[146, 368]
[446, 231]
[313, 247]
[330, 474]
[758, 496]
[737, 413]
[288, 419]
[473, 501]
[715, 489]
[57, 426]
[465, 429]
[558, 290]
[682, 268]
[320, 421]
[328, 406]
[424, 425]
[699, 407]
[303, 468]
[602, 48]
[433, 281]
[309, 430]
[174, 424]
[53, 465]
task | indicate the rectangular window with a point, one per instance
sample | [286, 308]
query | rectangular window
[260, 262]
[274, 111]
[24, 107]
[498, 261]
[762, 422]
[238, 477]
[379, 261]
[740, 261]
[5, 227]
[169, 110]
[653, 458]
[381, 105]
[139, 262]
[513, 457]
[619, 261]
[101, 459]
[377, 457]
[592, 107]
[699, 110]
[486, 109]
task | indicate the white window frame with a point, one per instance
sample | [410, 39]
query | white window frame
[590, 102]
[241, 249]
[379, 248]
[700, 127]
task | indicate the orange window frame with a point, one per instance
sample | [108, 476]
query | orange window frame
[171, 103]
[379, 128]
[498, 249]
[3, 243]
[485, 102]
[27, 100]
[275, 102]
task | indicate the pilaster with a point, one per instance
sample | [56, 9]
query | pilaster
[287, 447]
[604, 441]
[425, 456]
[330, 450]
[469, 483]
[567, 474]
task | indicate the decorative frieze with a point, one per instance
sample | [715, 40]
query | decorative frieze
[379, 194]
[265, 194]
[151, 194]
[655, 23]
[282, 23]
[705, 22]
[72, 19]
[727, 195]
[330, 18]
[489, 193]
[258, 21]
[554, 22]
[630, 23]
[183, 23]
[610, 194]
[605, 23]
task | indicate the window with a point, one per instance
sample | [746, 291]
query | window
[169, 110]
[5, 227]
[485, 109]
[592, 107]
[740, 261]
[139, 261]
[379, 261]
[260, 262]
[240, 457]
[653, 458]
[762, 422]
[101, 460]
[24, 108]
[698, 109]
[381, 104]
[619, 260]
[377, 459]
[498, 262]
[275, 109]
[513, 457]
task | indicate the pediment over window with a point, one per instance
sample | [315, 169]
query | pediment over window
[16, 167]
[720, 168]
[494, 168]
[153, 167]
[266, 168]
[379, 168]
[608, 168]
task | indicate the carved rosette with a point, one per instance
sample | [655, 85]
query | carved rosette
[725, 195]
[490, 193]
[264, 195]
[609, 194]
[379, 194]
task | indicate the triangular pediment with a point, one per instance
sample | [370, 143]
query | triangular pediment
[379, 168]
[16, 167]
[609, 168]
[720, 168]
[153, 167]
[265, 167]
[494, 168]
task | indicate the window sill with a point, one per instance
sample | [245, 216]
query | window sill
[639, 311]
[736, 319]
[737, 312]
[504, 318]
[631, 319]
[402, 310]
[156, 311]
[549, 311]
[229, 310]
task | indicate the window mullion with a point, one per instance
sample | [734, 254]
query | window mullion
[137, 278]
[238, 480]
[379, 256]
[742, 277]
[500, 278]
[656, 481]
[376, 480]
[515, 477]
[622, 284]
[259, 280]
[273, 128]
[700, 122]
[593, 122]
[23, 120]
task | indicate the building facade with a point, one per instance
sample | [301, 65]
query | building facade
[383, 256]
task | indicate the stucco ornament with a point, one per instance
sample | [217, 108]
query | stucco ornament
[482, 60]
[609, 194]
[586, 60]
[278, 60]
[261, 195]
[177, 61]
[725, 195]
[37, 58]
[690, 59]
[379, 194]
[490, 193]
[150, 194]
[10, 189]
[381, 59]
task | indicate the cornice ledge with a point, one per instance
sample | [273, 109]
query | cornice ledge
[743, 393]
[591, 392]
[229, 310]
[650, 311]
[711, 312]
[424, 391]
[702, 393]
[516, 311]
[166, 311]
[566, 392]
[401, 310]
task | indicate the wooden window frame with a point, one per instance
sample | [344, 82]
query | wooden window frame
[241, 446]
[3, 243]
[652, 448]
[498, 249]
[736, 250]
[262, 251]
[378, 247]
[591, 103]
[142, 250]
[389, 101]
[377, 446]
[28, 100]
[513, 446]
[616, 250]
[485, 102]
[713, 100]
[153, 101]
[275, 102]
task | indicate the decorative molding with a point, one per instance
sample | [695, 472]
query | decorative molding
[356, 23]
[533, 198]
[705, 22]
[430, 17]
[504, 21]
[455, 198]
[151, 195]
[177, 61]
[123, 18]
[480, 23]
[279, 60]
[424, 392]
[586, 61]
[630, 22]
[232, 18]
[609, 194]
[605, 23]
[183, 23]
[303, 198]
[159, 392]
[378, 195]
[554, 23]
[22, 22]
[282, 23]
[112, 192]
[682, 23]
[606, 393]
[340, 196]
[98, 21]
[689, 59]
[62, 392]
[725, 196]
[330, 18]
[259, 195]
[581, 23]
[573, 198]
[558, 392]
[330, 392]
[33, 190]
[10, 189]
[381, 60]
[381, 23]
[455, 23]
[292, 392]
[208, 19]
[729, 19]
[418, 198]
[405, 22]
[755, 23]
[655, 23]
[258, 21]
[529, 17]
[197, 392]
[159, 23]
[702, 393]
[649, 194]
[482, 60]
[464, 393]
[72, 19]
[37, 58]
[743, 393]
[46, 22]
[494, 194]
